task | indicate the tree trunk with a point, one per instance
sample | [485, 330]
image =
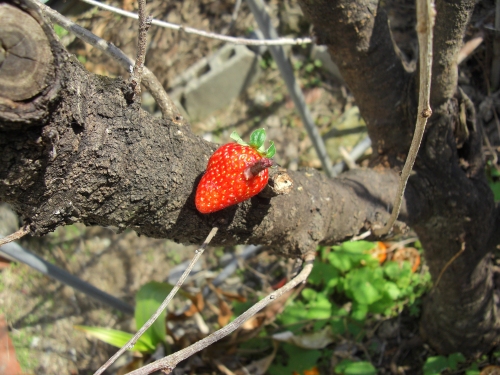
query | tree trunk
[456, 217]
[75, 149]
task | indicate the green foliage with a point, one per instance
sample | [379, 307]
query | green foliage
[119, 338]
[344, 273]
[294, 359]
[494, 180]
[350, 270]
[148, 299]
[436, 365]
[348, 367]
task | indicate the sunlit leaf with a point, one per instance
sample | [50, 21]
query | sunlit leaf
[434, 365]
[348, 367]
[148, 299]
[117, 338]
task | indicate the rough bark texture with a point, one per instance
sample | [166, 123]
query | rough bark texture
[456, 208]
[78, 151]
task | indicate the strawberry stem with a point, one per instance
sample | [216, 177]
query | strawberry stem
[258, 167]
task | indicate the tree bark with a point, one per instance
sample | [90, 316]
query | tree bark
[76, 150]
[456, 213]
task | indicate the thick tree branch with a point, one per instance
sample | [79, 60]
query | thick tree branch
[452, 18]
[359, 40]
[101, 160]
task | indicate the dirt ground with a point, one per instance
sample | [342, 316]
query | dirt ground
[41, 313]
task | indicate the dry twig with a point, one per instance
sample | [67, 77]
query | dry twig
[163, 305]
[425, 24]
[168, 363]
[144, 25]
[15, 236]
[154, 86]
[190, 30]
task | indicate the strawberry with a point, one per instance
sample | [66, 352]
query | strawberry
[235, 173]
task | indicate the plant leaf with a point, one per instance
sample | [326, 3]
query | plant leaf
[271, 151]
[238, 139]
[117, 338]
[257, 138]
[148, 299]
[435, 365]
[348, 367]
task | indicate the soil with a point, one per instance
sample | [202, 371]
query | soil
[41, 313]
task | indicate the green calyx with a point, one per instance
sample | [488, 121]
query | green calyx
[257, 139]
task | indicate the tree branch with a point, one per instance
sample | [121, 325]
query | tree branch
[144, 24]
[167, 107]
[425, 24]
[449, 31]
[130, 344]
[359, 40]
[168, 363]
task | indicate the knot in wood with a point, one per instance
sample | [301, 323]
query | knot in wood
[426, 113]
[27, 57]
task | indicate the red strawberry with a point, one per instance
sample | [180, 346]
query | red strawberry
[235, 173]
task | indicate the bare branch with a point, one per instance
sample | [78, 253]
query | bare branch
[167, 107]
[206, 34]
[449, 31]
[425, 23]
[168, 363]
[163, 305]
[15, 236]
[144, 25]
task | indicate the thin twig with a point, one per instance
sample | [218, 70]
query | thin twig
[362, 236]
[167, 107]
[190, 30]
[425, 24]
[168, 363]
[453, 258]
[144, 25]
[163, 305]
[15, 236]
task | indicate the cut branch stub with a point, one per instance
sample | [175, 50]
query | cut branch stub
[29, 80]
[25, 55]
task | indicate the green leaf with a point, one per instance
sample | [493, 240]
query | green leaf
[473, 370]
[257, 138]
[338, 326]
[435, 365]
[359, 311]
[148, 299]
[309, 294]
[454, 359]
[234, 136]
[295, 359]
[323, 273]
[117, 338]
[358, 247]
[392, 290]
[348, 367]
[294, 312]
[495, 186]
[363, 291]
[320, 308]
[340, 260]
[271, 150]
